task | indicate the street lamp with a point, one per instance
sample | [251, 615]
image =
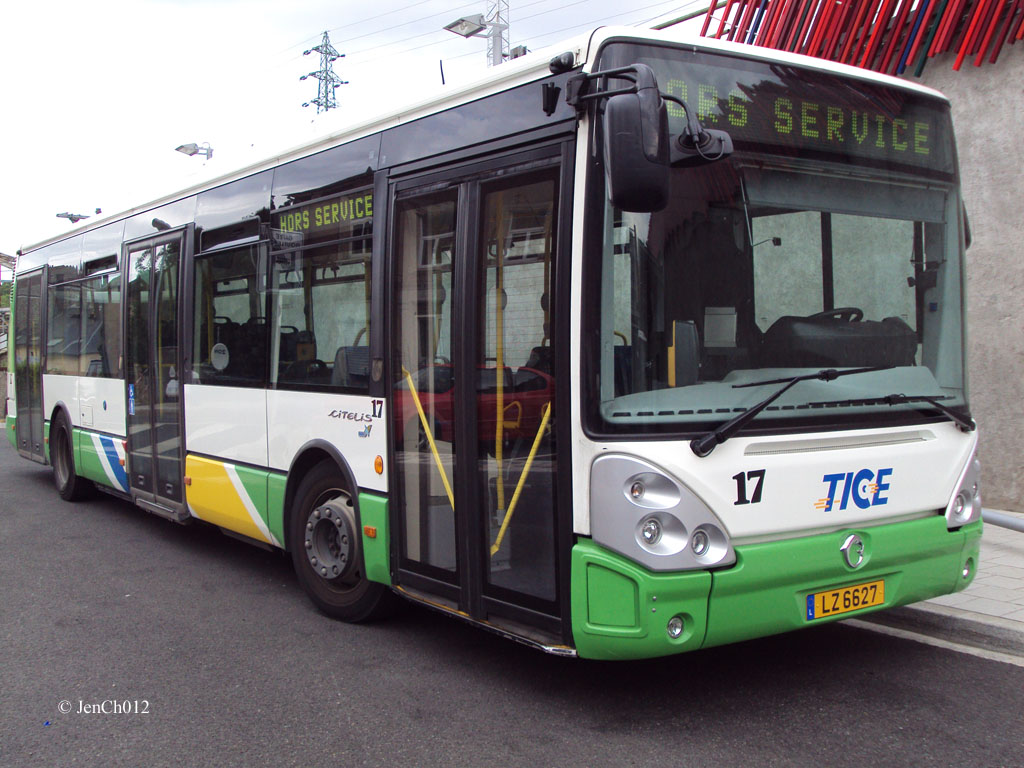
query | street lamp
[74, 218]
[468, 26]
[476, 26]
[194, 149]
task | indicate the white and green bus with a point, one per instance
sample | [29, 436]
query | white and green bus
[651, 346]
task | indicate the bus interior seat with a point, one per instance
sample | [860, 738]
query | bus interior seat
[305, 346]
[540, 360]
[287, 340]
[298, 351]
[351, 367]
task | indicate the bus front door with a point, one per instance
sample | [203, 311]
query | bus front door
[152, 363]
[474, 392]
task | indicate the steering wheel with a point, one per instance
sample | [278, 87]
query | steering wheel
[849, 314]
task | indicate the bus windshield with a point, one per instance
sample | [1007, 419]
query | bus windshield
[829, 239]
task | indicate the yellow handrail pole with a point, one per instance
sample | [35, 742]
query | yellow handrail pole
[430, 436]
[522, 479]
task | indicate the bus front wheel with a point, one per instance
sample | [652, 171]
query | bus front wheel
[325, 542]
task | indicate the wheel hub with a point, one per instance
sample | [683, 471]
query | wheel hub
[330, 540]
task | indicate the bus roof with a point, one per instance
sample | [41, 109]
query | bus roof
[520, 71]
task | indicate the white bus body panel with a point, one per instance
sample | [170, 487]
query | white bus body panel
[94, 404]
[101, 405]
[348, 422]
[60, 389]
[227, 422]
[810, 483]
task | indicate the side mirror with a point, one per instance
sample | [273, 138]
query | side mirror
[636, 150]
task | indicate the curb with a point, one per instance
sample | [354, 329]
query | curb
[955, 625]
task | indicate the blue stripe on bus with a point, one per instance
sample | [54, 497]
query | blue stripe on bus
[115, 462]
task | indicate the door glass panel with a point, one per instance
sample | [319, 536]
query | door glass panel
[515, 387]
[166, 396]
[137, 371]
[425, 384]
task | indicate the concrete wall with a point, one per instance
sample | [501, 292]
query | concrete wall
[988, 116]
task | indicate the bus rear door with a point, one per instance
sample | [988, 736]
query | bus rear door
[153, 391]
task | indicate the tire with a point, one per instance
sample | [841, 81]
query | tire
[324, 529]
[70, 486]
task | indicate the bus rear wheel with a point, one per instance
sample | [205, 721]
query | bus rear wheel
[325, 542]
[70, 486]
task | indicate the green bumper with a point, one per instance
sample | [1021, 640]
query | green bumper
[620, 610]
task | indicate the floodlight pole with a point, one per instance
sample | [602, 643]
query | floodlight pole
[497, 33]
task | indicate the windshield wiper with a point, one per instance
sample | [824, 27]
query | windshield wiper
[703, 446]
[965, 423]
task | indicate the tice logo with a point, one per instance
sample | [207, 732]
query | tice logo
[866, 488]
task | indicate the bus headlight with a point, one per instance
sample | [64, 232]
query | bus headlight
[965, 506]
[650, 531]
[643, 513]
[700, 542]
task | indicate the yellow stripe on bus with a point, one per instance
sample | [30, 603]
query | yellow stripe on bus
[213, 497]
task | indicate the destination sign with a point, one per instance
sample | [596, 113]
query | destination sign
[812, 122]
[791, 110]
[330, 219]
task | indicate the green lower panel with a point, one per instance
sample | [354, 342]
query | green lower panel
[255, 482]
[373, 514]
[276, 485]
[88, 462]
[766, 591]
[620, 610]
[12, 438]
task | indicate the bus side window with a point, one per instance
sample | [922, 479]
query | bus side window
[100, 348]
[321, 311]
[230, 341]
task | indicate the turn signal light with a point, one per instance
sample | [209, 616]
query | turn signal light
[378, 465]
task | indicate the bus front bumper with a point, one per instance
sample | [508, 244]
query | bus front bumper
[621, 610]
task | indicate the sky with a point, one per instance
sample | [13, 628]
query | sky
[95, 96]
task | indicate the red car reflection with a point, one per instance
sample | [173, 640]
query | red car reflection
[526, 391]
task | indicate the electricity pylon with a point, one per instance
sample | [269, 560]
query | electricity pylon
[329, 81]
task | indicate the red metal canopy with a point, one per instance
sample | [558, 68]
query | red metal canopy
[882, 35]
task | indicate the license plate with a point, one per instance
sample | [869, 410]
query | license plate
[836, 601]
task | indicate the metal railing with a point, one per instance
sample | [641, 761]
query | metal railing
[1003, 520]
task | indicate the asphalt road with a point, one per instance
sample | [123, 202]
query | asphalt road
[101, 602]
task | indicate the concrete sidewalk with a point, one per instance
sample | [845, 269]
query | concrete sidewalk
[988, 614]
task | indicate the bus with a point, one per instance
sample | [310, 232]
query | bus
[644, 345]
